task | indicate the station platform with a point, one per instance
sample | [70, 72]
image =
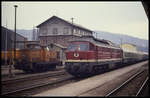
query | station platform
[79, 88]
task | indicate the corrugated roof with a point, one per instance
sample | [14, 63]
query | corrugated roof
[75, 25]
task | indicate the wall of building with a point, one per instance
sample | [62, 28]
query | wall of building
[65, 33]
[62, 27]
[62, 39]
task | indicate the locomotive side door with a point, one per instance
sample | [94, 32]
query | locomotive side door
[42, 54]
[96, 53]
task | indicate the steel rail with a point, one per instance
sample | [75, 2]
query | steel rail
[39, 85]
[123, 84]
[35, 76]
[142, 86]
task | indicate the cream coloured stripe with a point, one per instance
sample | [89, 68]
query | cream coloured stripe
[99, 60]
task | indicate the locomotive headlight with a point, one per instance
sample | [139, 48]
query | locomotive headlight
[76, 54]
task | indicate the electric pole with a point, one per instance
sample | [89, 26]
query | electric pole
[6, 46]
[72, 25]
[121, 43]
[15, 33]
[11, 66]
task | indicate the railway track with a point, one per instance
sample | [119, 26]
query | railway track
[125, 87]
[15, 86]
[23, 74]
[32, 76]
[140, 91]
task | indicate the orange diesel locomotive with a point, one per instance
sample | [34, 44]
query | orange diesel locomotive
[34, 58]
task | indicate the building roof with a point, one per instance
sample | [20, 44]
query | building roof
[58, 45]
[75, 25]
[12, 32]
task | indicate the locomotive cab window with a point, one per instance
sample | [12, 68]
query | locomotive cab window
[83, 47]
[33, 47]
[72, 47]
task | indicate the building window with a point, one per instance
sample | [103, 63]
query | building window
[81, 32]
[74, 31]
[44, 31]
[77, 31]
[84, 33]
[55, 31]
[66, 30]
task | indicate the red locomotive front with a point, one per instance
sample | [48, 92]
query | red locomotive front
[80, 52]
[84, 58]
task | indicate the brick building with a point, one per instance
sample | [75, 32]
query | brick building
[59, 31]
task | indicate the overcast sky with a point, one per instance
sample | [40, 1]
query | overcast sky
[117, 17]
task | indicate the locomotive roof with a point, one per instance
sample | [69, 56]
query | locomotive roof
[98, 42]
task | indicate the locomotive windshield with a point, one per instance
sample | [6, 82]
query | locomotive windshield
[72, 47]
[34, 47]
[83, 47]
[78, 47]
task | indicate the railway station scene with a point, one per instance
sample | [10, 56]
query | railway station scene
[74, 49]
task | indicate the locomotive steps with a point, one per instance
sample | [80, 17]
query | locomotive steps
[85, 87]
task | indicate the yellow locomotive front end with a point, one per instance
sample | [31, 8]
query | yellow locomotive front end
[36, 58]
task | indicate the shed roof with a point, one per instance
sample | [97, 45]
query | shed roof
[11, 31]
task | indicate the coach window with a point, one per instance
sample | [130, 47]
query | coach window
[107, 49]
[102, 49]
[112, 50]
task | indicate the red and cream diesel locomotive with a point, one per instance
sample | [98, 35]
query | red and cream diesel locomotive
[88, 57]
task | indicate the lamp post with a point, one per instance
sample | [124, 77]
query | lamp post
[15, 33]
[10, 66]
